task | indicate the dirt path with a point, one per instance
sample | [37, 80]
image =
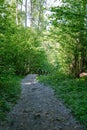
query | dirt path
[38, 109]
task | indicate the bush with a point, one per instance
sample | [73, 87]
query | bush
[9, 93]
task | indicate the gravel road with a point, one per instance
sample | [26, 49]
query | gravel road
[39, 109]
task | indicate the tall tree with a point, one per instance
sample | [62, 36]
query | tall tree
[36, 11]
[26, 13]
[17, 12]
[70, 21]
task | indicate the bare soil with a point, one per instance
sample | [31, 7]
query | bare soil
[39, 109]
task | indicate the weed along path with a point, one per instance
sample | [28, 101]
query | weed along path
[39, 109]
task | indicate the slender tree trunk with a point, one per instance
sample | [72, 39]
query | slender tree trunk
[21, 13]
[16, 12]
[82, 38]
[25, 13]
[31, 13]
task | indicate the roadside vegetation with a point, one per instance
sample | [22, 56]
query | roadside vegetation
[9, 93]
[73, 92]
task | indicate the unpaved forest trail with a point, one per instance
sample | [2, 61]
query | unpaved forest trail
[39, 109]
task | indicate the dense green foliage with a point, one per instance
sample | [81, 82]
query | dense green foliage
[9, 93]
[70, 31]
[72, 91]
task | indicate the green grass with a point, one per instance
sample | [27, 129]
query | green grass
[72, 91]
[9, 93]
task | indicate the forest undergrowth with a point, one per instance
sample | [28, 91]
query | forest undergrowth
[73, 92]
[9, 93]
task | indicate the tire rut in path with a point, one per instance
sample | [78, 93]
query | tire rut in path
[39, 109]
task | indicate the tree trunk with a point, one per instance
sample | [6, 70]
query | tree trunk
[16, 12]
[21, 20]
[25, 13]
[31, 13]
